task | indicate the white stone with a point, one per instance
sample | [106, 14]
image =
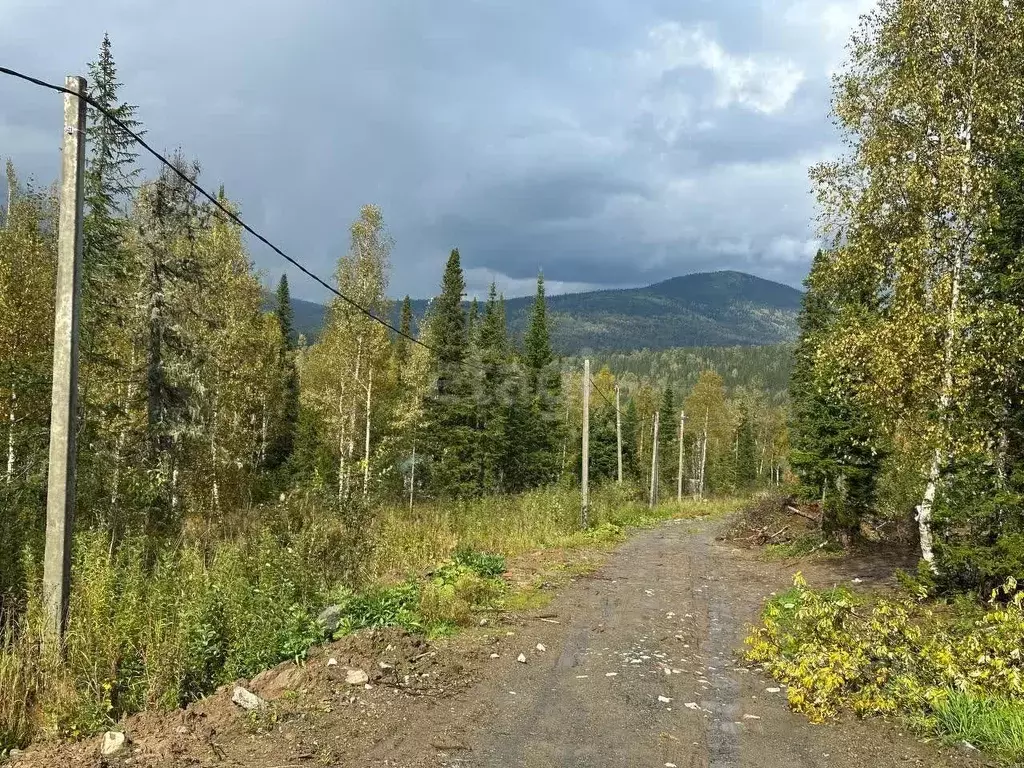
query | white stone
[521, 658]
[356, 677]
[664, 699]
[113, 743]
[247, 700]
[332, 662]
[541, 647]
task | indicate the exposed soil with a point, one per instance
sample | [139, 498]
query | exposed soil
[632, 665]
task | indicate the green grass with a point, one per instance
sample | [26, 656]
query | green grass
[155, 627]
[994, 725]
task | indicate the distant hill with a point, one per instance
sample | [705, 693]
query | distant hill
[707, 309]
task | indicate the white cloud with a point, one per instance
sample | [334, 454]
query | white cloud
[479, 279]
[764, 84]
[826, 24]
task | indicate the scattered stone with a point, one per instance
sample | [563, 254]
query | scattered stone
[692, 705]
[670, 765]
[181, 730]
[664, 699]
[330, 618]
[582, 677]
[495, 655]
[751, 717]
[114, 742]
[483, 622]
[332, 662]
[356, 677]
[245, 699]
[610, 674]
[773, 690]
[966, 746]
[14, 754]
[541, 647]
[858, 580]
[521, 658]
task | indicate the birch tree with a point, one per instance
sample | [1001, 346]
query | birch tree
[928, 102]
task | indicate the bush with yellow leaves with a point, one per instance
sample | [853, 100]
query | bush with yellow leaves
[891, 656]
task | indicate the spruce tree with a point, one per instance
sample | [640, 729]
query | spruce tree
[449, 410]
[405, 327]
[284, 439]
[112, 321]
[668, 435]
[543, 438]
[491, 393]
[835, 449]
[746, 450]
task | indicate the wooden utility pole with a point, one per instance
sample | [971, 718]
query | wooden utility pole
[653, 500]
[60, 488]
[585, 469]
[679, 479]
[618, 431]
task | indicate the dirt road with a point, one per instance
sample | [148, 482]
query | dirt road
[633, 665]
[642, 671]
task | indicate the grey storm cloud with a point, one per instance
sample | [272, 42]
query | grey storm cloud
[607, 142]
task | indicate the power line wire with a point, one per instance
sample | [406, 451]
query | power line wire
[597, 389]
[224, 209]
[137, 138]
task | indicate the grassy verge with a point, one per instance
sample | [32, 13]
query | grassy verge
[954, 670]
[157, 628]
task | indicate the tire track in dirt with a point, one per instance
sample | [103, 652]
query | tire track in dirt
[670, 599]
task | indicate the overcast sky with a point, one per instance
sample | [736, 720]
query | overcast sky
[607, 142]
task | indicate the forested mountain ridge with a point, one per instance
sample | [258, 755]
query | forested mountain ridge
[706, 309]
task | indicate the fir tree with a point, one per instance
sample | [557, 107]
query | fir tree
[405, 333]
[668, 435]
[746, 450]
[449, 410]
[491, 393]
[284, 441]
[542, 440]
[835, 451]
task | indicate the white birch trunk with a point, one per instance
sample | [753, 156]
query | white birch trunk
[924, 509]
[341, 444]
[679, 478]
[703, 456]
[215, 488]
[366, 463]
[11, 421]
[412, 477]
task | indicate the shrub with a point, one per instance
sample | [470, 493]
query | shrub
[895, 656]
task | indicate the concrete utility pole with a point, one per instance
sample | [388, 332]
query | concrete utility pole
[679, 479]
[60, 488]
[618, 431]
[653, 500]
[585, 469]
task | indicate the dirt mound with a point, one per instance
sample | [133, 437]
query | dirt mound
[342, 689]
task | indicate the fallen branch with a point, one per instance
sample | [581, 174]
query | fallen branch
[795, 511]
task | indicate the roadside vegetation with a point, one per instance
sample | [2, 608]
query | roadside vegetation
[952, 669]
[234, 479]
[908, 384]
[159, 635]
